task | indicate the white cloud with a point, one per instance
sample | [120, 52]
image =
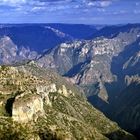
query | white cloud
[31, 6]
[105, 3]
[38, 3]
[91, 4]
[98, 3]
[12, 2]
[36, 9]
[17, 3]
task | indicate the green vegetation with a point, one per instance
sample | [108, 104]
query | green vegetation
[10, 130]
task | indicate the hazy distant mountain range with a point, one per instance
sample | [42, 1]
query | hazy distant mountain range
[104, 61]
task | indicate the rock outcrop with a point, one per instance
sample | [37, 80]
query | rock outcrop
[27, 108]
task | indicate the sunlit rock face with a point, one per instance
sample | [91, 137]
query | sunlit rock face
[27, 108]
[81, 59]
[44, 91]
[10, 53]
[89, 62]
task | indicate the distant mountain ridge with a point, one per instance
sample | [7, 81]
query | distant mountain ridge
[36, 38]
[30, 40]
[40, 37]
[113, 30]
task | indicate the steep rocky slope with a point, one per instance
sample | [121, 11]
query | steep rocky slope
[40, 37]
[10, 53]
[127, 102]
[39, 104]
[89, 62]
[35, 37]
[27, 41]
[101, 66]
[126, 109]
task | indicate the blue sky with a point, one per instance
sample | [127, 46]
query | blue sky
[70, 11]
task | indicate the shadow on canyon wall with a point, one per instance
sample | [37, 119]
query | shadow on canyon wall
[115, 89]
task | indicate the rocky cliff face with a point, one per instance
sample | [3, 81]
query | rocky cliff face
[127, 102]
[96, 55]
[36, 37]
[10, 53]
[48, 106]
[41, 37]
[25, 110]
[100, 66]
[88, 62]
[27, 41]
